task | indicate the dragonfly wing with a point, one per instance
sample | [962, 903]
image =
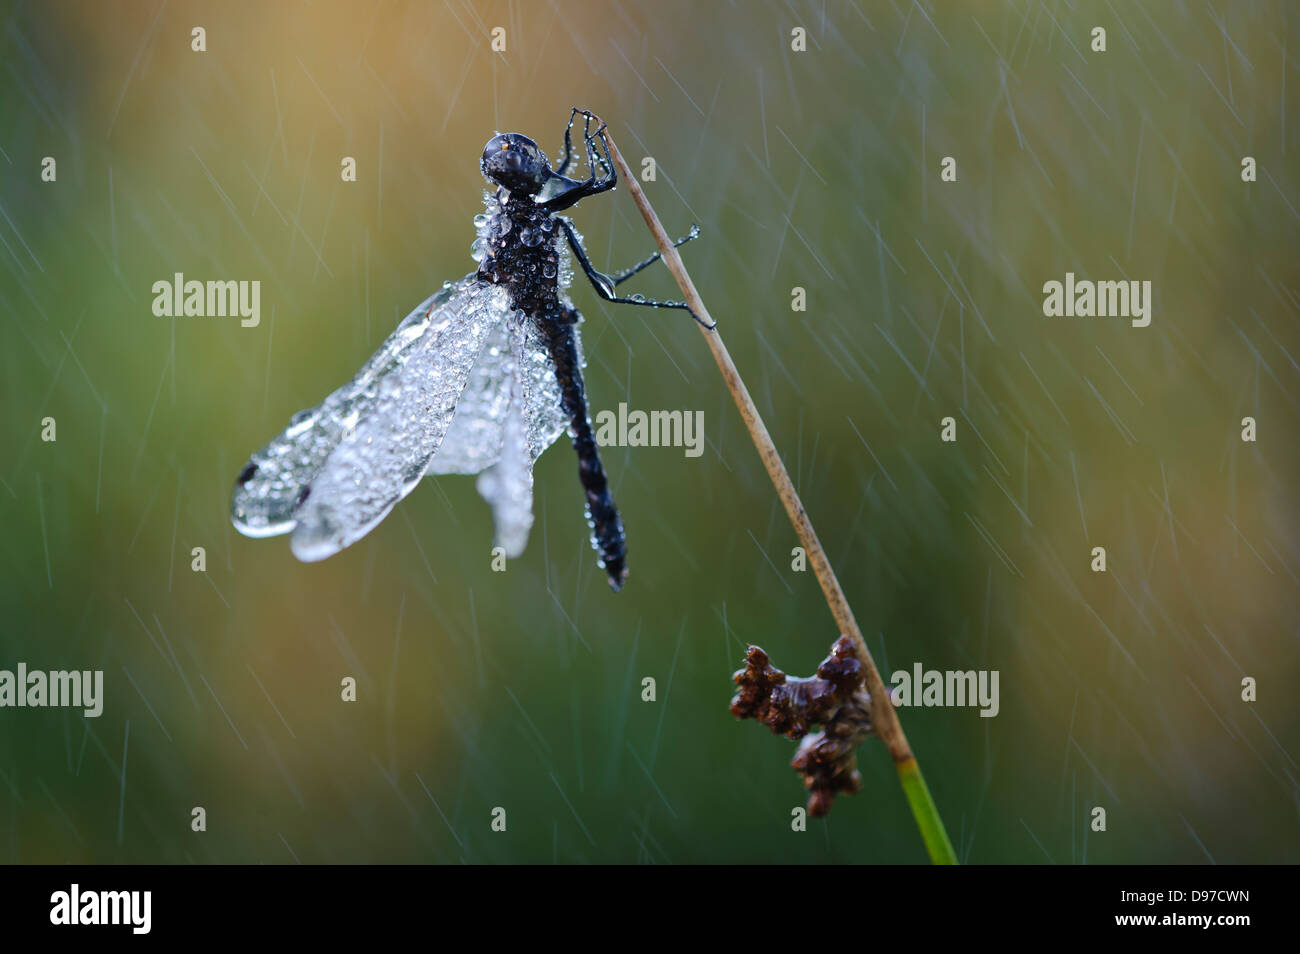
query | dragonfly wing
[544, 415]
[507, 485]
[381, 459]
[427, 359]
[509, 413]
[477, 433]
[268, 491]
[474, 440]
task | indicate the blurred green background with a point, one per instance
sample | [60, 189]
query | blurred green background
[817, 169]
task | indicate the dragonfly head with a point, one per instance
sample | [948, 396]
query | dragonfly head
[515, 163]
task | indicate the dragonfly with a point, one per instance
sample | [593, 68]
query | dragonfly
[480, 379]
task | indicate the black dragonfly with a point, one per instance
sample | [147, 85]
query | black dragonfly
[480, 378]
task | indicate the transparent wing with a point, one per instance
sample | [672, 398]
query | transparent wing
[544, 414]
[339, 468]
[474, 440]
[507, 485]
[477, 433]
[509, 413]
[384, 456]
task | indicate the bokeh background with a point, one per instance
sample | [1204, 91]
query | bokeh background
[818, 169]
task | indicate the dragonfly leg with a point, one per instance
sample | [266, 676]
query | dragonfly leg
[594, 156]
[604, 284]
[619, 277]
[568, 143]
[572, 191]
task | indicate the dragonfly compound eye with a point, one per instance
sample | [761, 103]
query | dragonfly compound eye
[515, 162]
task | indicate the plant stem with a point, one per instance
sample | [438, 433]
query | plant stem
[925, 812]
[884, 717]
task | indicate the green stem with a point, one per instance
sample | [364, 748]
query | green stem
[926, 814]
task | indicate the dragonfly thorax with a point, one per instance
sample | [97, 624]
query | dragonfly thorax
[517, 248]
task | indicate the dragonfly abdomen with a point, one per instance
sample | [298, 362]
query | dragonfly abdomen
[607, 526]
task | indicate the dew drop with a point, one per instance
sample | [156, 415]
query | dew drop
[531, 237]
[477, 250]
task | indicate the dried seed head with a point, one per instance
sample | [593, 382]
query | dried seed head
[835, 699]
